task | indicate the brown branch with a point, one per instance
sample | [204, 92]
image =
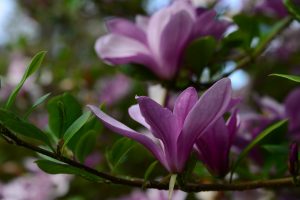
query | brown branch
[137, 182]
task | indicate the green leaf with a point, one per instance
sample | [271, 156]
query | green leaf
[93, 124]
[36, 104]
[290, 77]
[32, 67]
[248, 29]
[20, 126]
[276, 149]
[58, 168]
[200, 52]
[75, 127]
[63, 110]
[294, 9]
[85, 145]
[118, 153]
[149, 170]
[259, 138]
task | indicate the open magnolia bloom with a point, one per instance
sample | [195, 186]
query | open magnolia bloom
[213, 146]
[158, 42]
[173, 134]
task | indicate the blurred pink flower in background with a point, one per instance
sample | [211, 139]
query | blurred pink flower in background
[113, 89]
[36, 185]
[15, 72]
[273, 8]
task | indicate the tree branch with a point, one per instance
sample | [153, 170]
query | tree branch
[137, 182]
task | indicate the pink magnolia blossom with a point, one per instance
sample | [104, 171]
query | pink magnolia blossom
[158, 42]
[173, 134]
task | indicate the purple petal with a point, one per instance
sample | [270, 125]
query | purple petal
[163, 125]
[206, 24]
[184, 103]
[118, 49]
[292, 109]
[209, 108]
[233, 124]
[126, 28]
[172, 48]
[142, 22]
[122, 129]
[271, 106]
[169, 21]
[213, 148]
[233, 102]
[135, 113]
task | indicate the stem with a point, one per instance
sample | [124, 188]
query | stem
[137, 182]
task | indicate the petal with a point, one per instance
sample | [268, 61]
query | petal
[122, 129]
[184, 103]
[206, 24]
[142, 22]
[292, 110]
[209, 108]
[233, 102]
[162, 121]
[118, 49]
[233, 124]
[163, 125]
[173, 21]
[135, 113]
[126, 28]
[171, 48]
[213, 148]
[271, 106]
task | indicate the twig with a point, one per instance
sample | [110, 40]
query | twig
[137, 182]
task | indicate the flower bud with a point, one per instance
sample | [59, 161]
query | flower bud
[293, 159]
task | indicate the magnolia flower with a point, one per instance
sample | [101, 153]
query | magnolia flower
[273, 8]
[173, 134]
[220, 135]
[157, 42]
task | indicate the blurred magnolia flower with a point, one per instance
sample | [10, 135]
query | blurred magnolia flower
[152, 194]
[293, 159]
[158, 42]
[113, 89]
[292, 111]
[213, 146]
[93, 159]
[274, 8]
[286, 45]
[15, 72]
[173, 134]
[252, 124]
[36, 185]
